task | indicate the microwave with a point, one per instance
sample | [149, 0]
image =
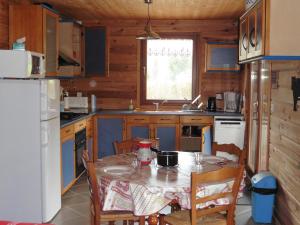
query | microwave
[21, 64]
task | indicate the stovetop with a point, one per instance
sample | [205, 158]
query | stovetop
[70, 115]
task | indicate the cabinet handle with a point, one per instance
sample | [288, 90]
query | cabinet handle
[244, 42]
[139, 119]
[251, 38]
[196, 119]
[164, 119]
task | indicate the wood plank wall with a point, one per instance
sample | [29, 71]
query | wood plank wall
[115, 91]
[284, 160]
[3, 24]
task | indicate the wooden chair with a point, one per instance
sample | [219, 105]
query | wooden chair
[97, 215]
[231, 149]
[131, 145]
[85, 158]
[217, 215]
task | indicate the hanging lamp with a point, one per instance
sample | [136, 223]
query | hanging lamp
[148, 33]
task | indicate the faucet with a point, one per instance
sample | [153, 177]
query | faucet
[157, 104]
[192, 105]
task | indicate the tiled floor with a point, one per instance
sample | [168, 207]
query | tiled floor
[75, 207]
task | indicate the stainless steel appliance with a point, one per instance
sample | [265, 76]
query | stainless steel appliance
[232, 101]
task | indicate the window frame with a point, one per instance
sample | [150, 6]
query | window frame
[143, 69]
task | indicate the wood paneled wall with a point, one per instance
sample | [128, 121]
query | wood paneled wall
[3, 24]
[284, 160]
[122, 84]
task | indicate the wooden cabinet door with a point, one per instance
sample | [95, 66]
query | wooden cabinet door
[168, 135]
[243, 39]
[256, 31]
[264, 115]
[51, 41]
[68, 163]
[253, 118]
[206, 140]
[95, 51]
[108, 131]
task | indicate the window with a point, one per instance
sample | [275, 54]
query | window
[168, 71]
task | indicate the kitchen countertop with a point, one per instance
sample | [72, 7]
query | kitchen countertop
[64, 123]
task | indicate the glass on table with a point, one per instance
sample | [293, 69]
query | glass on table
[198, 159]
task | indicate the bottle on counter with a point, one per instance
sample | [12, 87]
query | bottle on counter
[130, 107]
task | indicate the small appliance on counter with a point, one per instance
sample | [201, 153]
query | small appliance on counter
[211, 104]
[21, 64]
[232, 101]
[76, 102]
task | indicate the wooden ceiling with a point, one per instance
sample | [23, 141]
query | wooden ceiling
[159, 9]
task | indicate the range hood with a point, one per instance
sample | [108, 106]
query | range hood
[65, 60]
[69, 44]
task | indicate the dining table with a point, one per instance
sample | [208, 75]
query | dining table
[127, 185]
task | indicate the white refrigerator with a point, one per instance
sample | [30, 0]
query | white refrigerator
[30, 184]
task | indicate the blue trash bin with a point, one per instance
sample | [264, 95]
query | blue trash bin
[263, 196]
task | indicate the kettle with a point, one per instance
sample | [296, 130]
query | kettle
[144, 153]
[211, 104]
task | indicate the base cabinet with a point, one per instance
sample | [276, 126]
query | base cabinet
[68, 162]
[109, 129]
[196, 133]
[166, 128]
[67, 157]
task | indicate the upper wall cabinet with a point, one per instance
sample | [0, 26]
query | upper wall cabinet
[70, 48]
[269, 30]
[96, 51]
[40, 27]
[221, 57]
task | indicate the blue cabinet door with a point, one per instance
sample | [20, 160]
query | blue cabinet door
[90, 143]
[141, 131]
[109, 130]
[68, 163]
[167, 137]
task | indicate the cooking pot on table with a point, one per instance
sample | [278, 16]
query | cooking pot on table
[166, 158]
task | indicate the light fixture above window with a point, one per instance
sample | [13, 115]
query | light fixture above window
[148, 33]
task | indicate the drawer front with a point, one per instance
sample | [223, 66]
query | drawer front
[79, 125]
[67, 131]
[138, 119]
[196, 119]
[165, 119]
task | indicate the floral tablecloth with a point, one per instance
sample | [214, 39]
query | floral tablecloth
[144, 190]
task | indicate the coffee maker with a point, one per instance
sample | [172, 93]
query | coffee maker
[211, 104]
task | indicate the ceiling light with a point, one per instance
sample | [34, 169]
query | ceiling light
[148, 32]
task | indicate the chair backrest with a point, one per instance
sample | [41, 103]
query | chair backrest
[218, 176]
[131, 145]
[85, 158]
[231, 149]
[94, 190]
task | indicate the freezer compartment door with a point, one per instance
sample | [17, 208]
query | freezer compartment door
[50, 99]
[51, 182]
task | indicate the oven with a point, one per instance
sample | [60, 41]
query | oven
[80, 146]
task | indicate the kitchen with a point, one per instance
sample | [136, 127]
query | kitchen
[121, 81]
